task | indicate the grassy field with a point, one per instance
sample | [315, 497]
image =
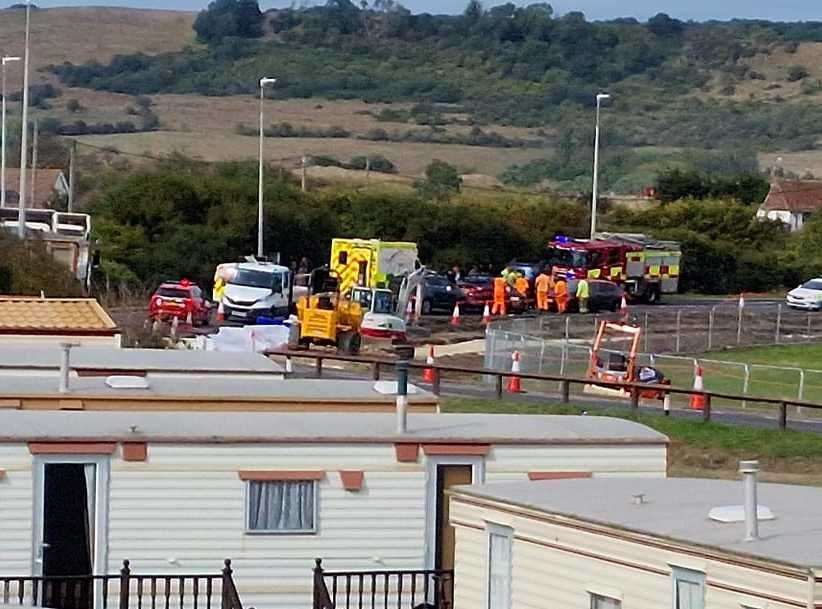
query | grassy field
[80, 34]
[410, 158]
[698, 449]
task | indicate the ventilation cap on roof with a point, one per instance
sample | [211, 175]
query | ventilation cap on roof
[736, 513]
[123, 381]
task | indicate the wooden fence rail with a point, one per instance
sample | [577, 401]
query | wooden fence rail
[384, 589]
[634, 390]
[123, 590]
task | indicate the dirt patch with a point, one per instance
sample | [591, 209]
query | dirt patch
[410, 158]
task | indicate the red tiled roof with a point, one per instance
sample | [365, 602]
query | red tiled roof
[797, 196]
[44, 183]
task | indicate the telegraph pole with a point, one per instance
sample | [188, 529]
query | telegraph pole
[24, 138]
[72, 156]
[34, 162]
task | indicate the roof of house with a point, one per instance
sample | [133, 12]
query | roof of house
[65, 316]
[33, 425]
[47, 357]
[44, 186]
[677, 509]
[797, 196]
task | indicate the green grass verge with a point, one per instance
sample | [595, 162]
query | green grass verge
[797, 356]
[742, 442]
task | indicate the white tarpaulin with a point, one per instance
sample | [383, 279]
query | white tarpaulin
[249, 338]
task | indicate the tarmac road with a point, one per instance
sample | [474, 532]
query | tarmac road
[462, 389]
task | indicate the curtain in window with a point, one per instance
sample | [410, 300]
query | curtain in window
[499, 572]
[281, 506]
[688, 595]
[90, 473]
[603, 602]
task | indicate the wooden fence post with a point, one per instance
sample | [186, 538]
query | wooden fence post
[375, 371]
[564, 391]
[499, 386]
[125, 574]
[435, 385]
[706, 412]
[319, 367]
[783, 416]
[634, 399]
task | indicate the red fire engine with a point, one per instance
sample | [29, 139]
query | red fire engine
[646, 268]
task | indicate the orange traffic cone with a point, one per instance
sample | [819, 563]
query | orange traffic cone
[486, 314]
[189, 319]
[455, 316]
[623, 308]
[428, 373]
[220, 312]
[697, 401]
[514, 381]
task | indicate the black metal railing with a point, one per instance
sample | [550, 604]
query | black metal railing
[388, 589]
[124, 590]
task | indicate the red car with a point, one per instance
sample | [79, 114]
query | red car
[178, 299]
[477, 290]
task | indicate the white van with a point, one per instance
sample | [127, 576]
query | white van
[257, 289]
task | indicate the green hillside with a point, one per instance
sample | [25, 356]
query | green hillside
[674, 83]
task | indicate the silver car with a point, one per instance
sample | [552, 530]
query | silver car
[807, 296]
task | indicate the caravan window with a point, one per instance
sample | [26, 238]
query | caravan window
[281, 506]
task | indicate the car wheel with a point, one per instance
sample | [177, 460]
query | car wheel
[426, 307]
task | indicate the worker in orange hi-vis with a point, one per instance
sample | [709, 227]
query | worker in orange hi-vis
[499, 296]
[561, 294]
[521, 285]
[544, 285]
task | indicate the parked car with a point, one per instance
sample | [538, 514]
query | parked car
[807, 296]
[604, 296]
[178, 299]
[439, 294]
[477, 290]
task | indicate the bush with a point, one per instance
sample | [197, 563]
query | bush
[442, 180]
[374, 162]
[73, 106]
[797, 72]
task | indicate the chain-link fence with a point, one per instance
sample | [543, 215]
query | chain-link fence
[561, 345]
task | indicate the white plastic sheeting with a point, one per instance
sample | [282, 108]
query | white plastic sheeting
[248, 338]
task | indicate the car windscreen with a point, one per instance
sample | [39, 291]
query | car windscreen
[254, 279]
[167, 292]
[565, 257]
[813, 284]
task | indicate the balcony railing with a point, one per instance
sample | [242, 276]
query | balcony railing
[125, 590]
[389, 589]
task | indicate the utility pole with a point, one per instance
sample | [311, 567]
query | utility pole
[4, 60]
[33, 163]
[24, 138]
[263, 82]
[72, 157]
[302, 174]
[595, 196]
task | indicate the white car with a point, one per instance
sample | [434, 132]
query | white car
[807, 296]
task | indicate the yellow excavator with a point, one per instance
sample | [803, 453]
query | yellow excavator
[326, 317]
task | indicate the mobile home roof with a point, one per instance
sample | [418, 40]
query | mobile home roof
[677, 509]
[18, 426]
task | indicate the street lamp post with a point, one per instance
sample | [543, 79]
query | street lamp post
[24, 137]
[4, 61]
[263, 83]
[594, 196]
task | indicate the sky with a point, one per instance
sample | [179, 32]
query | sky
[698, 10]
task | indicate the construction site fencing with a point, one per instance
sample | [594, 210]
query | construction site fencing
[683, 329]
[555, 345]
